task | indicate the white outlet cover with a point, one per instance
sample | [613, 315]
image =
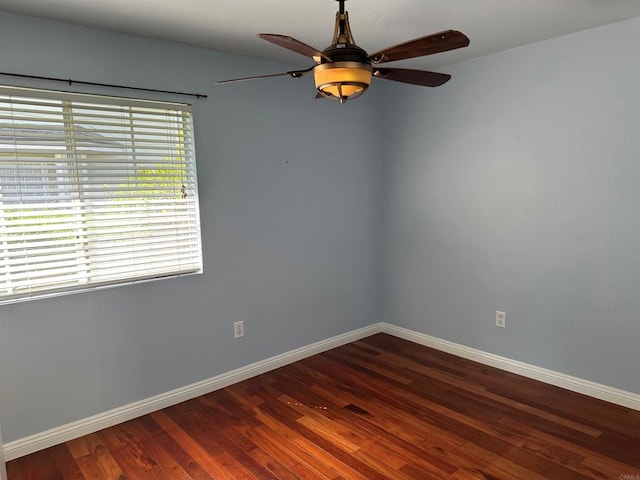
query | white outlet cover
[238, 329]
[501, 319]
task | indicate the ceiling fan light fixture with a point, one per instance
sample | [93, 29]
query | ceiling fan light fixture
[343, 70]
[342, 81]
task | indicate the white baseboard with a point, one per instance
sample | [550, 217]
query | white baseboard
[586, 387]
[64, 433]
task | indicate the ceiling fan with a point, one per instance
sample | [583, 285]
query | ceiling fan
[343, 70]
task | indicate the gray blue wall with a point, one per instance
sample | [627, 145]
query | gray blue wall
[290, 193]
[517, 187]
[3, 471]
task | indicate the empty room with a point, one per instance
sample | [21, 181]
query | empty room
[319, 240]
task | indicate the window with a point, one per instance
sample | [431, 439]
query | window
[94, 191]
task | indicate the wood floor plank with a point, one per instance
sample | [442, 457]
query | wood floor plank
[14, 471]
[195, 449]
[344, 471]
[181, 456]
[380, 408]
[99, 465]
[65, 463]
[83, 446]
[268, 442]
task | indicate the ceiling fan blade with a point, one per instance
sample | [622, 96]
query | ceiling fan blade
[294, 45]
[419, 47]
[415, 77]
[292, 73]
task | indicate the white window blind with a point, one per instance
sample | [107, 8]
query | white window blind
[94, 191]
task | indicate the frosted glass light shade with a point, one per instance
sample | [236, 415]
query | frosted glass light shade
[342, 81]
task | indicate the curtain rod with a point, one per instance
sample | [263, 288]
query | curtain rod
[70, 82]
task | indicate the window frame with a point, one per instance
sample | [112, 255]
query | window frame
[163, 196]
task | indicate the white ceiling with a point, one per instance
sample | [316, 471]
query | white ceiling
[232, 25]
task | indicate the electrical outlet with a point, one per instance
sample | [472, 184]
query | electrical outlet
[238, 329]
[501, 319]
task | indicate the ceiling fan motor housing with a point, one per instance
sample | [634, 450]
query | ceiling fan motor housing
[345, 53]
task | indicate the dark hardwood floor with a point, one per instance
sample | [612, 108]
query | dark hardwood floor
[380, 408]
